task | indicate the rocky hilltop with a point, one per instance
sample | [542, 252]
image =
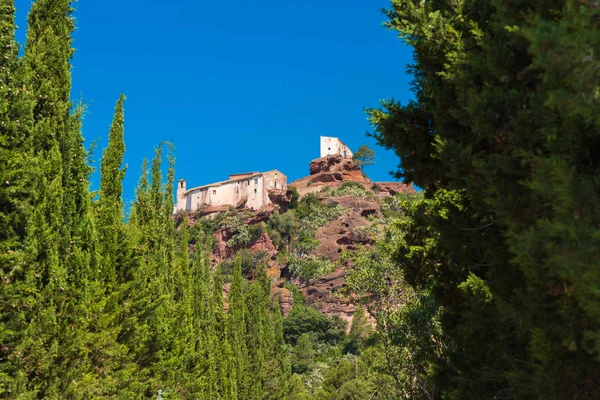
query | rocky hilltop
[335, 187]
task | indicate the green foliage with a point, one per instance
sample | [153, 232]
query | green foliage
[503, 138]
[359, 330]
[295, 196]
[364, 156]
[296, 293]
[392, 207]
[313, 214]
[408, 322]
[303, 354]
[250, 261]
[109, 208]
[356, 389]
[311, 204]
[302, 319]
[239, 233]
[310, 267]
[351, 189]
[281, 228]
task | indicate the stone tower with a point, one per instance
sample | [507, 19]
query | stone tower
[331, 146]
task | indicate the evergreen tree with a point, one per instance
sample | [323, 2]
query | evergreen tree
[364, 156]
[236, 326]
[260, 333]
[47, 71]
[281, 372]
[17, 168]
[503, 136]
[303, 355]
[47, 55]
[109, 219]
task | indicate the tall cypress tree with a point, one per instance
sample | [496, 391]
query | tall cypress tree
[260, 334]
[17, 167]
[236, 327]
[280, 371]
[109, 218]
[47, 55]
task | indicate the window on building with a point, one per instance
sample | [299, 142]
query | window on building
[275, 185]
[254, 190]
[256, 181]
[214, 192]
[181, 185]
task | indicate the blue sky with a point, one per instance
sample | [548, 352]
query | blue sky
[236, 85]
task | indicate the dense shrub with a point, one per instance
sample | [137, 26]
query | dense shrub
[352, 189]
[310, 267]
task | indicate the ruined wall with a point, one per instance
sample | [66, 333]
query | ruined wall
[331, 146]
[303, 191]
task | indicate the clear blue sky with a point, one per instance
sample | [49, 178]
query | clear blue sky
[236, 85]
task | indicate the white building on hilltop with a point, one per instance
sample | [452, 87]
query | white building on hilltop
[331, 146]
[248, 189]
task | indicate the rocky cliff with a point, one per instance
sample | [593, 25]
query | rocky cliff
[359, 207]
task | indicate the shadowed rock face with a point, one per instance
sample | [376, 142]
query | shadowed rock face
[322, 294]
[281, 199]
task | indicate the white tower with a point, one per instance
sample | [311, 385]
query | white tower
[333, 146]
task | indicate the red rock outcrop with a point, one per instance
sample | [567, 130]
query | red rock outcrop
[340, 234]
[391, 188]
[331, 171]
[322, 294]
[281, 199]
[285, 297]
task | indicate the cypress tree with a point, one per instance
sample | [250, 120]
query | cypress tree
[47, 54]
[236, 327]
[260, 335]
[142, 295]
[217, 307]
[109, 214]
[218, 335]
[47, 70]
[17, 168]
[200, 298]
[185, 343]
[281, 371]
